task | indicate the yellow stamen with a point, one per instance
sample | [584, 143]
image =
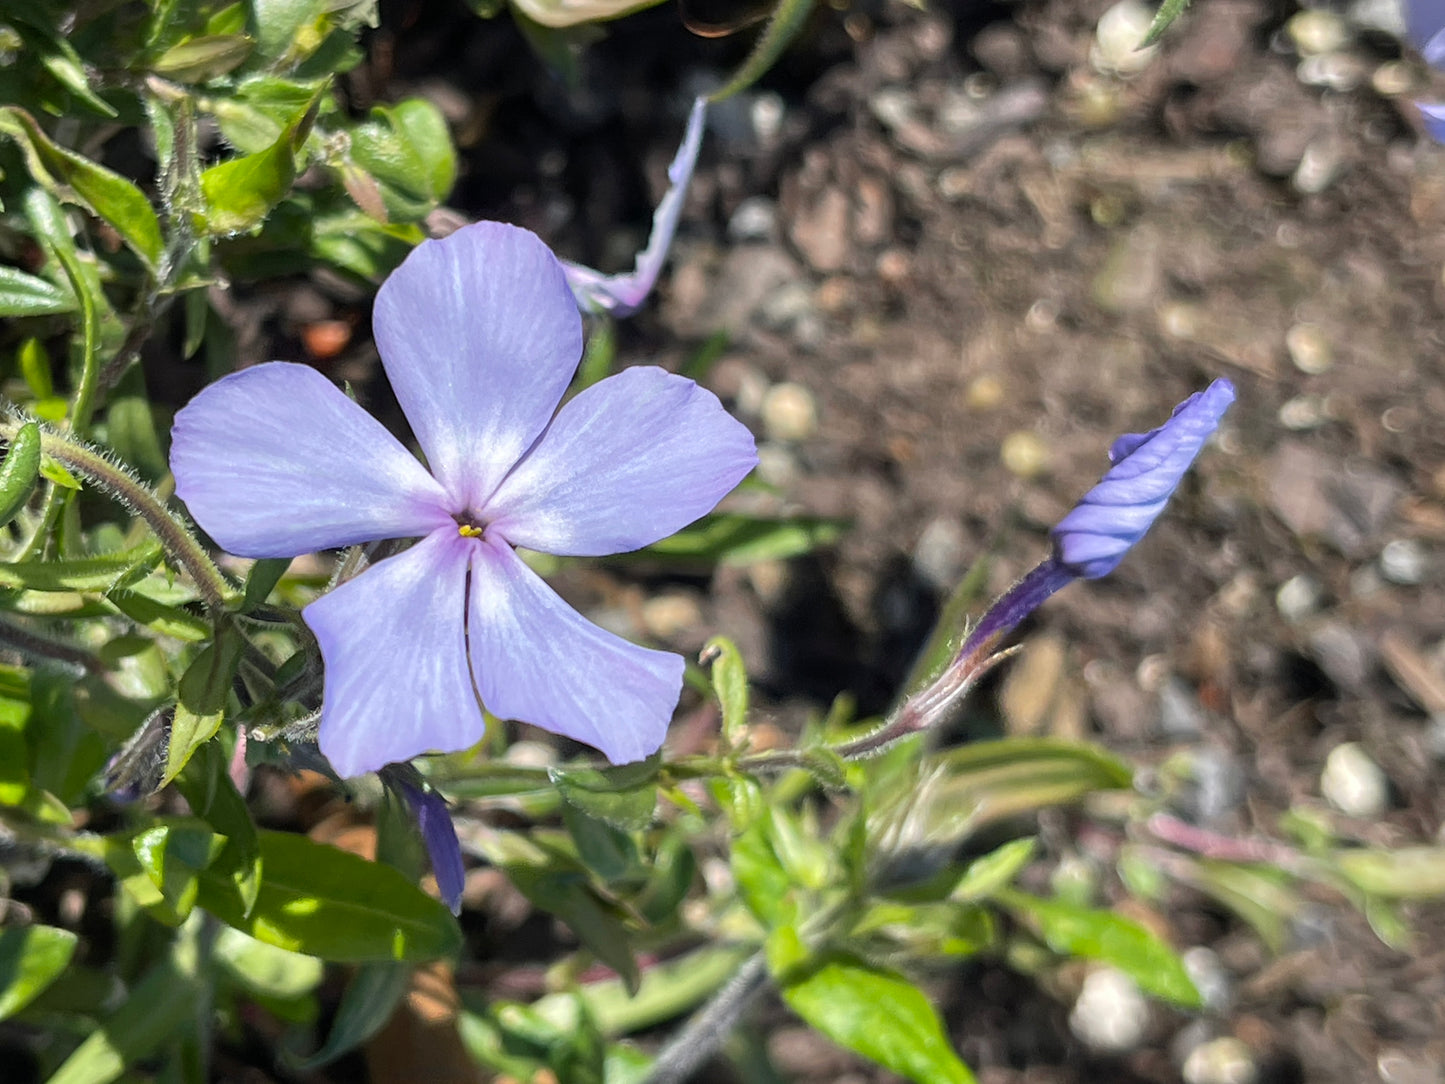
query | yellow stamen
[466, 530]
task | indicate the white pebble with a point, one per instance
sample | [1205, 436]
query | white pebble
[1403, 561]
[1220, 1061]
[1111, 1013]
[1353, 783]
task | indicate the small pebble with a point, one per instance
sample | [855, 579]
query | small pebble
[1317, 31]
[1121, 31]
[1403, 562]
[1111, 1013]
[756, 219]
[984, 392]
[1220, 1061]
[1298, 597]
[941, 553]
[668, 615]
[777, 465]
[1209, 977]
[1180, 715]
[1353, 783]
[789, 412]
[1309, 348]
[1303, 413]
[1393, 78]
[1024, 454]
[1318, 168]
[1339, 72]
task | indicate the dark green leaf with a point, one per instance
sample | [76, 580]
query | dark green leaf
[206, 784]
[370, 999]
[265, 574]
[63, 62]
[407, 148]
[875, 1013]
[602, 848]
[31, 958]
[102, 192]
[328, 903]
[1110, 939]
[623, 797]
[173, 857]
[27, 295]
[159, 616]
[595, 923]
[275, 24]
[19, 471]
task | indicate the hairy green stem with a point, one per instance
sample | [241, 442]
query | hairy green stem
[34, 645]
[118, 481]
[708, 1029]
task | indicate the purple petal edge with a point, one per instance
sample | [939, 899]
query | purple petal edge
[623, 295]
[442, 847]
[1093, 538]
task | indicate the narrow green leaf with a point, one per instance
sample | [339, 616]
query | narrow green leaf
[1163, 19]
[596, 925]
[325, 902]
[875, 1013]
[173, 856]
[160, 617]
[600, 354]
[35, 368]
[736, 539]
[203, 692]
[27, 295]
[787, 20]
[84, 573]
[608, 853]
[1110, 939]
[368, 1002]
[275, 24]
[995, 870]
[264, 970]
[14, 746]
[99, 190]
[31, 958]
[206, 784]
[762, 880]
[19, 471]
[623, 797]
[1407, 873]
[63, 62]
[265, 574]
[203, 58]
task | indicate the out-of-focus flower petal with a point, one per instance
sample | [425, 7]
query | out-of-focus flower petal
[394, 645]
[1433, 114]
[628, 461]
[440, 837]
[480, 336]
[622, 295]
[1425, 22]
[539, 661]
[276, 461]
[1114, 515]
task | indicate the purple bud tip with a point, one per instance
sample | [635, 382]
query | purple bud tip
[1092, 539]
[440, 837]
[1433, 116]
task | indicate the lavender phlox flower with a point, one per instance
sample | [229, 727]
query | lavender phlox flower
[1092, 539]
[440, 837]
[623, 295]
[479, 336]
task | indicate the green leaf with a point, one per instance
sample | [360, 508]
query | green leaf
[263, 970]
[730, 686]
[1407, 873]
[1110, 939]
[173, 856]
[35, 368]
[1262, 896]
[600, 354]
[19, 471]
[597, 925]
[325, 902]
[762, 880]
[623, 797]
[1163, 18]
[31, 958]
[102, 192]
[205, 782]
[239, 194]
[63, 62]
[407, 148]
[995, 870]
[787, 20]
[368, 1002]
[736, 539]
[202, 696]
[276, 24]
[160, 617]
[27, 295]
[265, 574]
[875, 1013]
[201, 59]
[608, 853]
[85, 573]
[14, 746]
[155, 1011]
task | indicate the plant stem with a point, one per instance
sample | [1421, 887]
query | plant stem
[701, 1037]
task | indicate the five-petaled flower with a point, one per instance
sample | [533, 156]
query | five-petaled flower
[479, 335]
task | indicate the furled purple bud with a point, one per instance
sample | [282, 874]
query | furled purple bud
[1092, 539]
[622, 295]
[440, 837]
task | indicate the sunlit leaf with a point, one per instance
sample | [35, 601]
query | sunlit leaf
[31, 958]
[27, 295]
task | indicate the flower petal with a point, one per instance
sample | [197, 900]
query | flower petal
[276, 461]
[1093, 538]
[628, 461]
[394, 644]
[480, 336]
[539, 661]
[622, 295]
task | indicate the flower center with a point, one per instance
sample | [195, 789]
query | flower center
[468, 527]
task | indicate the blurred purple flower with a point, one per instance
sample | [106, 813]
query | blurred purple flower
[1425, 25]
[623, 295]
[1092, 539]
[440, 837]
[479, 335]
